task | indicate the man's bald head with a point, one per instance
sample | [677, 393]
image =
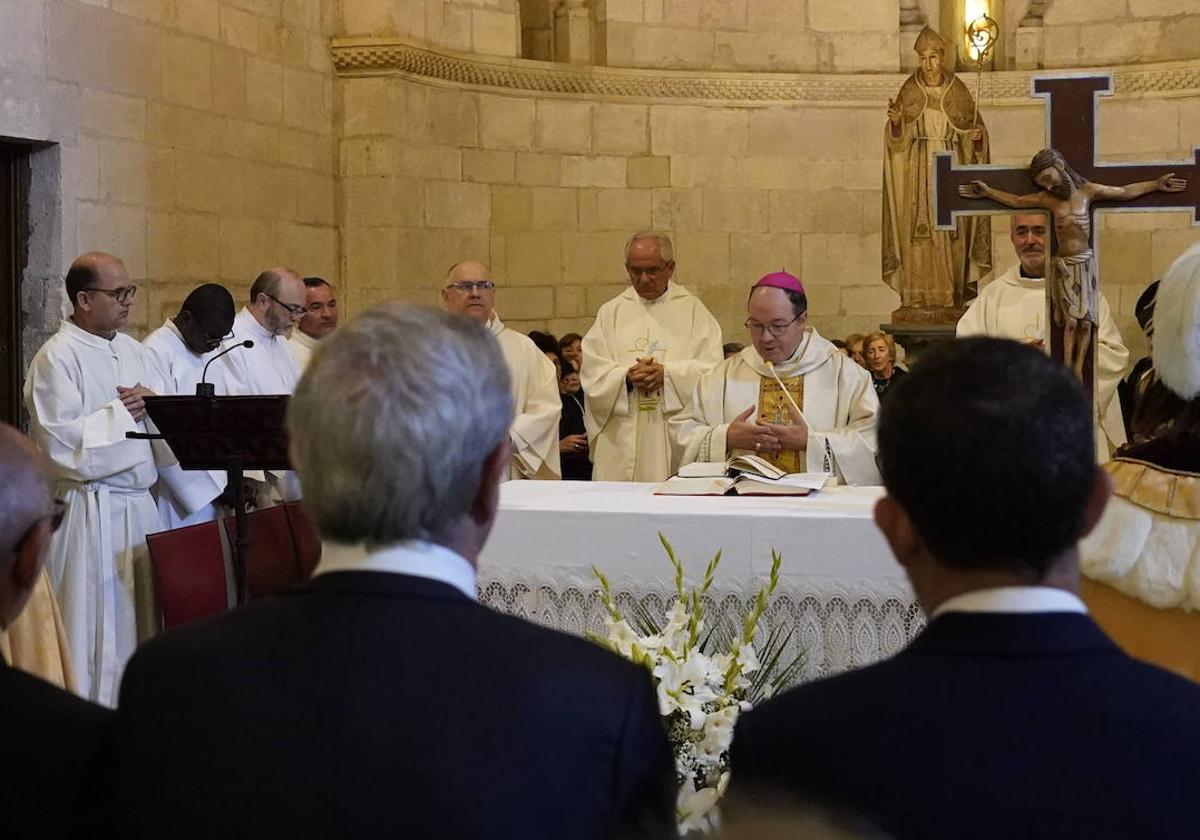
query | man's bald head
[469, 290]
[84, 273]
[26, 506]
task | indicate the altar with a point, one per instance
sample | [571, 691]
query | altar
[840, 589]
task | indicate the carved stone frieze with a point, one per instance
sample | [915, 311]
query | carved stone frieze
[384, 56]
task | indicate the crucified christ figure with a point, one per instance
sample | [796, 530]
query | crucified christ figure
[1073, 284]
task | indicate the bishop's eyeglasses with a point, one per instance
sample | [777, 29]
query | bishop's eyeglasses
[775, 330]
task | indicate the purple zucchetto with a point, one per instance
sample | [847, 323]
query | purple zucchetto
[781, 280]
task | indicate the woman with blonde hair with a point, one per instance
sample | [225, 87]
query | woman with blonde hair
[879, 351]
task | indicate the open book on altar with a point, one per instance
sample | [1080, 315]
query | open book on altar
[742, 475]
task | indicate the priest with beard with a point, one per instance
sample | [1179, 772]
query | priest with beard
[741, 406]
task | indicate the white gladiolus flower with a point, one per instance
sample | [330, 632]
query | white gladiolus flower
[685, 685]
[693, 807]
[747, 657]
[718, 732]
[621, 635]
[699, 704]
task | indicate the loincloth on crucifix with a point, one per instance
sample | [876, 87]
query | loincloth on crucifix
[773, 408]
[1075, 288]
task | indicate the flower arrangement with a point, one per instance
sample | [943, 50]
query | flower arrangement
[705, 677]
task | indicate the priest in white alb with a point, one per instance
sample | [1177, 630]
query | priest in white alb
[641, 359]
[537, 407]
[791, 397]
[183, 345]
[85, 389]
[1013, 306]
[320, 319]
[277, 301]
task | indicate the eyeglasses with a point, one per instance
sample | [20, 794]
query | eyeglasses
[217, 339]
[122, 295]
[648, 273]
[468, 286]
[296, 311]
[775, 330]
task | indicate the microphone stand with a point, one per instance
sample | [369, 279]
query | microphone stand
[233, 478]
[207, 389]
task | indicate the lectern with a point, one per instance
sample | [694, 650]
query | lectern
[224, 433]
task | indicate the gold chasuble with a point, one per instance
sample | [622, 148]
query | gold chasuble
[835, 394]
[773, 408]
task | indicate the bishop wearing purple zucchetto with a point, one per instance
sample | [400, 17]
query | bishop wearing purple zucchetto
[791, 397]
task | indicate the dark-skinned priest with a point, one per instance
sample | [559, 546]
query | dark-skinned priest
[792, 397]
[183, 345]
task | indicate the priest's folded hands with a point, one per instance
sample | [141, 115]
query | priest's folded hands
[766, 438]
[646, 375]
[133, 398]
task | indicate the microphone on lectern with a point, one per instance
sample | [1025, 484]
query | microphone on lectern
[207, 389]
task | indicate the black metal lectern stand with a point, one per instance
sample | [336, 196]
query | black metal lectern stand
[224, 433]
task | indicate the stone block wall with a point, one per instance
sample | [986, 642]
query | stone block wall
[787, 35]
[192, 138]
[1082, 33]
[485, 27]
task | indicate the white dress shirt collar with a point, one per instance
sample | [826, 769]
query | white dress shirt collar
[1012, 599]
[412, 557]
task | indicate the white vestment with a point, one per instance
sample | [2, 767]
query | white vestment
[265, 369]
[627, 431]
[97, 559]
[302, 346]
[839, 403]
[536, 405]
[1014, 307]
[185, 497]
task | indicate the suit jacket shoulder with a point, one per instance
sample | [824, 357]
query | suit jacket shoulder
[56, 773]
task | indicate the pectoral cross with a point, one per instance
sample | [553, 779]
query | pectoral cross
[1071, 128]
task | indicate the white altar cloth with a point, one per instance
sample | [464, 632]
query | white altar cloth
[840, 588]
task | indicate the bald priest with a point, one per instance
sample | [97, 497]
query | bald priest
[749, 402]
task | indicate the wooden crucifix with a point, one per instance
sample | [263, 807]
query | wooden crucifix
[1069, 185]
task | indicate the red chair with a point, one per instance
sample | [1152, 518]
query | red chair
[189, 573]
[305, 537]
[271, 564]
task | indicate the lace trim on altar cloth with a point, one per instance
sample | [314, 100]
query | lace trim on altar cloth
[838, 625]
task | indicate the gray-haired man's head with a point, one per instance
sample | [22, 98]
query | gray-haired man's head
[399, 427]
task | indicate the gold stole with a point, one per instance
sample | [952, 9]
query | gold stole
[773, 408]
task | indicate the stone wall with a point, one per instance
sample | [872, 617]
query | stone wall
[547, 188]
[1082, 33]
[484, 27]
[827, 36]
[193, 138]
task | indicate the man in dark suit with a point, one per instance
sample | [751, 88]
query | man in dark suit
[54, 749]
[380, 700]
[1012, 715]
